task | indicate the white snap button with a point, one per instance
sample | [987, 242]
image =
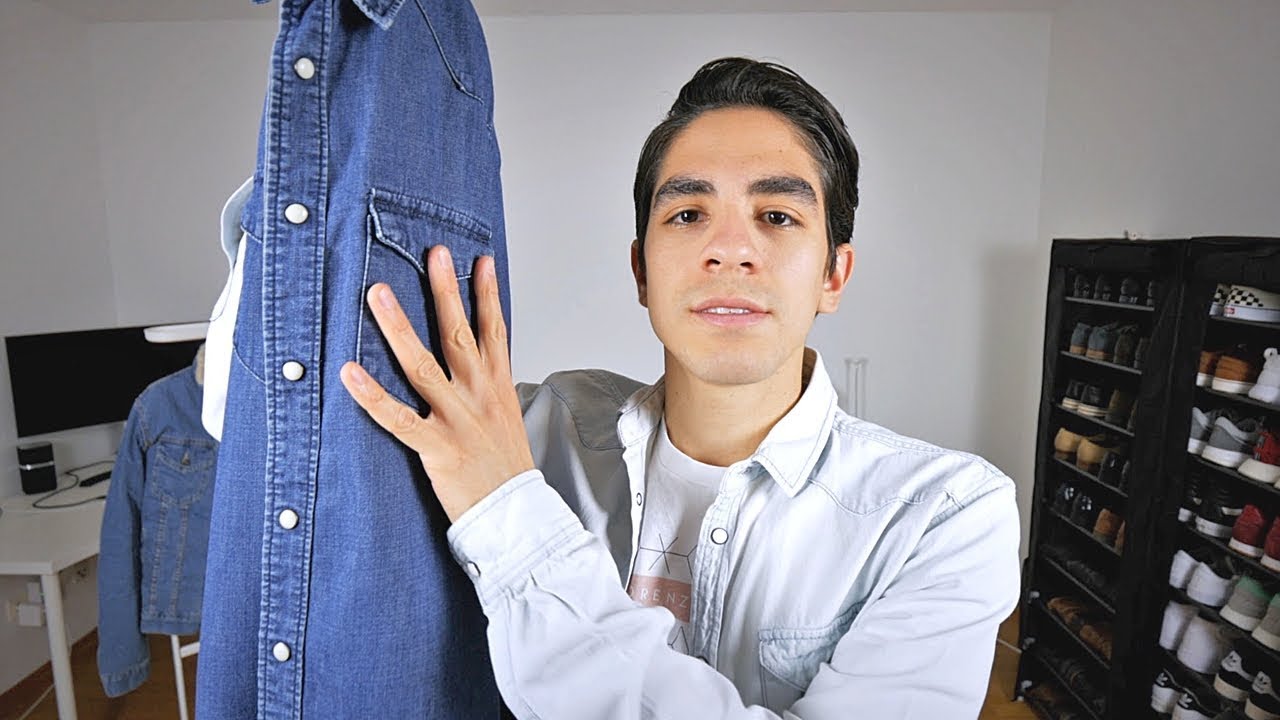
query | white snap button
[288, 519]
[719, 536]
[305, 68]
[292, 370]
[639, 499]
[473, 570]
[296, 214]
[280, 651]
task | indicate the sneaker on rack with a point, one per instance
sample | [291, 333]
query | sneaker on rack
[1218, 511]
[1130, 291]
[1112, 469]
[1236, 672]
[1065, 444]
[1119, 544]
[1267, 388]
[1103, 290]
[1208, 363]
[1250, 303]
[1264, 466]
[1219, 299]
[1248, 604]
[1093, 402]
[1063, 498]
[1237, 370]
[1210, 584]
[1071, 396]
[1249, 533]
[1132, 424]
[1102, 342]
[1231, 443]
[1180, 569]
[1192, 500]
[1202, 427]
[1092, 451]
[1174, 624]
[1140, 353]
[1084, 511]
[1119, 406]
[1271, 547]
[1082, 286]
[1203, 645]
[1079, 344]
[1126, 342]
[1165, 692]
[1268, 631]
[1195, 704]
[1106, 527]
[1263, 703]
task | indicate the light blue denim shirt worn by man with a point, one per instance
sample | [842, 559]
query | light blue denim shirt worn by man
[330, 591]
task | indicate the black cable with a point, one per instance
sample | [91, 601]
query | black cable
[72, 473]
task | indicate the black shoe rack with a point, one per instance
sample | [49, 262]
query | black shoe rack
[1091, 612]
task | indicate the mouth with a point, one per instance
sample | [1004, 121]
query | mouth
[730, 312]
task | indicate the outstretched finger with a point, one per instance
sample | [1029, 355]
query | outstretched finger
[493, 329]
[456, 339]
[392, 415]
[419, 365]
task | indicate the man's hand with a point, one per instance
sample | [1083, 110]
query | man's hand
[473, 440]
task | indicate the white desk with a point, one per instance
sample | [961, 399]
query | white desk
[44, 542]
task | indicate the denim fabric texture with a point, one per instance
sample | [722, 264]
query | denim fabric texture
[155, 529]
[331, 590]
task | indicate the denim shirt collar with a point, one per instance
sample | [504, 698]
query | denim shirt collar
[382, 12]
[791, 449]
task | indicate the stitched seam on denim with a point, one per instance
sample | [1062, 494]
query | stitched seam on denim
[576, 428]
[244, 364]
[417, 209]
[444, 58]
[915, 500]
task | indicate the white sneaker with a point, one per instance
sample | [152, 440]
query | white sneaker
[1207, 587]
[1267, 389]
[1219, 303]
[1176, 618]
[1250, 303]
[1181, 568]
[1203, 645]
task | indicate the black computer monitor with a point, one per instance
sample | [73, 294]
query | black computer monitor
[76, 379]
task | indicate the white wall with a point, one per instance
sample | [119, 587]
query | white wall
[54, 263]
[948, 113]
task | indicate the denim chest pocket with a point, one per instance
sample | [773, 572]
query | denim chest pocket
[400, 231]
[791, 657]
[247, 343]
[179, 471]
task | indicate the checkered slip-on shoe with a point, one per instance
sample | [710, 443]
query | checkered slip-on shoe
[1219, 299]
[1249, 303]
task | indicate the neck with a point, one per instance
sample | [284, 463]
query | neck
[722, 424]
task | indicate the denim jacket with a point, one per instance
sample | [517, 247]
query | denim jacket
[850, 572]
[155, 529]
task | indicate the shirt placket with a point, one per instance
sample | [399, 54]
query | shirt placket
[712, 566]
[294, 201]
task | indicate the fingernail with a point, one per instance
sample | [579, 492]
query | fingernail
[385, 298]
[356, 375]
[442, 255]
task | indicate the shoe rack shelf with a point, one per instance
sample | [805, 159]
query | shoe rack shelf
[1065, 631]
[1243, 480]
[1079, 585]
[1062, 682]
[1240, 399]
[1221, 547]
[1109, 304]
[1102, 363]
[1112, 489]
[1085, 532]
[1248, 323]
[1211, 613]
[1102, 424]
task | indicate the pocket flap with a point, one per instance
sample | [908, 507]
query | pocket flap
[794, 655]
[411, 226]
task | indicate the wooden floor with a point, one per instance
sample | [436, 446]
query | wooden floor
[157, 699]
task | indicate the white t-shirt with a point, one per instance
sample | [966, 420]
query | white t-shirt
[679, 489]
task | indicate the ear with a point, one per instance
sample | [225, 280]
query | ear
[836, 282]
[642, 288]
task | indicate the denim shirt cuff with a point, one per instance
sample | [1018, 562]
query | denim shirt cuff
[504, 536]
[116, 684]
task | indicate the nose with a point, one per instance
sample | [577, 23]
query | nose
[730, 245]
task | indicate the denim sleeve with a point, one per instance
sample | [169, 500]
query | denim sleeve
[124, 660]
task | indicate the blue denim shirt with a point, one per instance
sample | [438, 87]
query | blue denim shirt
[155, 529]
[331, 588]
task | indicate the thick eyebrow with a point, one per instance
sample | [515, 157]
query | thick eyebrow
[685, 186]
[796, 187]
[682, 186]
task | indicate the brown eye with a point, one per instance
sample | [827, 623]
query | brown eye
[774, 217]
[687, 217]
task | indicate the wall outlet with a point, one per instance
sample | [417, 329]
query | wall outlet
[30, 615]
[34, 594]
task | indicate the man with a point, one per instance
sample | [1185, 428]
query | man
[806, 563]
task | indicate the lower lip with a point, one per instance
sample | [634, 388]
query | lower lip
[732, 320]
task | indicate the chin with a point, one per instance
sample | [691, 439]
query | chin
[727, 370]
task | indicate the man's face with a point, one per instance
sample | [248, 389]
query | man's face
[736, 250]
